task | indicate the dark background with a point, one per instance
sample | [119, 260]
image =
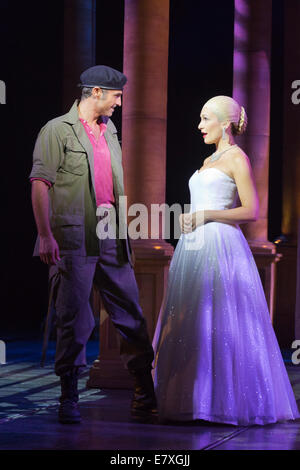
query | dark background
[200, 66]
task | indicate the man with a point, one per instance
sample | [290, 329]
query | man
[77, 171]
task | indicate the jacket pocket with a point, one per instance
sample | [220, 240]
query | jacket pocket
[75, 158]
[68, 231]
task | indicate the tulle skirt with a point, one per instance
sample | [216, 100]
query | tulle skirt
[216, 353]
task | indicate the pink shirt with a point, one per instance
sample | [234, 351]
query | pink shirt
[102, 166]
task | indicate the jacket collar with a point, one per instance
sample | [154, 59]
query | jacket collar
[72, 116]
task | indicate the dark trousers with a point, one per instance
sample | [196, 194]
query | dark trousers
[71, 281]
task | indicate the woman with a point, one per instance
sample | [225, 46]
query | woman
[216, 354]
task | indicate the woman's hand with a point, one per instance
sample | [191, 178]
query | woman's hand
[185, 221]
[189, 222]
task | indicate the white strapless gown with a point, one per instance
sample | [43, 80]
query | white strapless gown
[216, 354]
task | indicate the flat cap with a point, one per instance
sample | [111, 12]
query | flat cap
[103, 77]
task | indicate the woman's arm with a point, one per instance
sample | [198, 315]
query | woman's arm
[248, 211]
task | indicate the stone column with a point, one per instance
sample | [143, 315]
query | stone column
[144, 120]
[291, 141]
[251, 88]
[145, 102]
[288, 321]
[79, 45]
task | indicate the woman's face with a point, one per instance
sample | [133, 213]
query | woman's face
[210, 126]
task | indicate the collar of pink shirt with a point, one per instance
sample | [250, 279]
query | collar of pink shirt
[102, 125]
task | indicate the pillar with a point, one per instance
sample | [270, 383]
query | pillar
[144, 123]
[288, 299]
[291, 142]
[251, 88]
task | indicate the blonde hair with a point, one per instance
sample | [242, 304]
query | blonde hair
[227, 109]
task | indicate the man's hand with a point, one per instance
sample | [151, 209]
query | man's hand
[49, 251]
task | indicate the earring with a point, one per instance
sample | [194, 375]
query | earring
[223, 133]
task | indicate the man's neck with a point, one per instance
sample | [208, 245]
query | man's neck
[87, 113]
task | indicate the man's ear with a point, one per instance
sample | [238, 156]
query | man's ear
[97, 92]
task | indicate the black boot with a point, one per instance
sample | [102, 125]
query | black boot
[68, 409]
[143, 405]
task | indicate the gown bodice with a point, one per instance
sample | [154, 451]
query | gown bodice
[212, 189]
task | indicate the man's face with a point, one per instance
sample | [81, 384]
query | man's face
[108, 100]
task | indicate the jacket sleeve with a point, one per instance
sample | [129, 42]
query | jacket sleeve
[48, 183]
[48, 154]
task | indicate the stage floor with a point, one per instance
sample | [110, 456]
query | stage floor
[29, 403]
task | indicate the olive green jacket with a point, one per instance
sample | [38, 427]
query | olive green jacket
[63, 155]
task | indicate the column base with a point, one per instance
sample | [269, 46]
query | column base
[266, 257]
[109, 373]
[152, 259]
[286, 294]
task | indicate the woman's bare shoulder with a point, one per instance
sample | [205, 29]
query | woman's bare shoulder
[239, 162]
[237, 157]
